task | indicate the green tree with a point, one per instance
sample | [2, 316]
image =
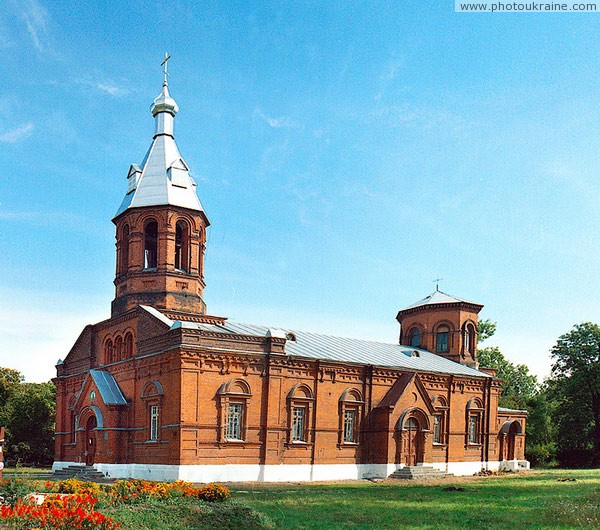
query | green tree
[27, 412]
[520, 390]
[485, 329]
[518, 385]
[575, 386]
[9, 381]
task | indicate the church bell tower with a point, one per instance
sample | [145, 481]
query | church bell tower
[161, 226]
[443, 324]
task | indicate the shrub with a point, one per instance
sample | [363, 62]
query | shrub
[213, 493]
[73, 485]
[13, 489]
[131, 490]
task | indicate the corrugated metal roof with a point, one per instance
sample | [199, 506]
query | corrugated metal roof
[326, 347]
[438, 297]
[109, 389]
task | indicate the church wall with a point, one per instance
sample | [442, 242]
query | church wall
[192, 415]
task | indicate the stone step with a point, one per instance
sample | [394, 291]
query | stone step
[419, 472]
[81, 472]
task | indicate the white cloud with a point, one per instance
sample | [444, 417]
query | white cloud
[107, 87]
[112, 89]
[36, 20]
[15, 135]
[278, 123]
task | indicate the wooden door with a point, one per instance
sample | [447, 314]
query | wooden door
[413, 448]
[90, 441]
[510, 447]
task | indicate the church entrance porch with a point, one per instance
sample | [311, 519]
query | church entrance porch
[508, 437]
[90, 440]
[409, 443]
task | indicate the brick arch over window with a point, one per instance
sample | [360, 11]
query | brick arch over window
[474, 421]
[300, 403]
[351, 409]
[440, 419]
[443, 333]
[182, 245]
[109, 349]
[233, 398]
[118, 348]
[152, 396]
[152, 389]
[415, 336]
[469, 331]
[150, 258]
[128, 344]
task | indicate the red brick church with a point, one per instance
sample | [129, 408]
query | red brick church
[164, 390]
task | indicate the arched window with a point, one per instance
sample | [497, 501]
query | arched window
[469, 338]
[118, 349]
[128, 345]
[152, 395]
[182, 246]
[439, 419]
[351, 404]
[233, 404]
[474, 421]
[109, 352]
[414, 338]
[300, 405]
[151, 245]
[441, 339]
[124, 264]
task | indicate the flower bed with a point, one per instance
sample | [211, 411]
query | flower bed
[72, 504]
[60, 512]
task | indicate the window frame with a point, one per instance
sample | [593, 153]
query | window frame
[236, 392]
[150, 264]
[234, 425]
[412, 333]
[474, 417]
[443, 330]
[154, 423]
[440, 416]
[153, 396]
[298, 430]
[350, 401]
[300, 397]
[182, 246]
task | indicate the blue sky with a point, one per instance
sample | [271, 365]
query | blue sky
[347, 154]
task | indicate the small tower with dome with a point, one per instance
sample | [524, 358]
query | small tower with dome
[442, 324]
[161, 226]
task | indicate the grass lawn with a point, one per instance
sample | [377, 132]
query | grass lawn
[184, 513]
[538, 499]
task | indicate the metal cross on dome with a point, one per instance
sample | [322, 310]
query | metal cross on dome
[437, 283]
[164, 65]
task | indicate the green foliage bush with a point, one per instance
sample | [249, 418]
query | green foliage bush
[14, 489]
